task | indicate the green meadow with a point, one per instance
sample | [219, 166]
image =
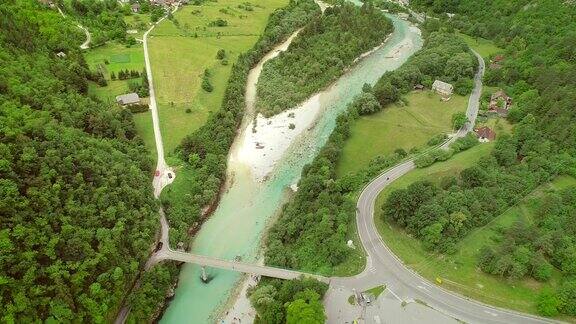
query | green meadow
[406, 127]
[182, 48]
[484, 47]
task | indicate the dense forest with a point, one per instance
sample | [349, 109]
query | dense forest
[76, 211]
[103, 18]
[288, 301]
[322, 51]
[538, 70]
[536, 249]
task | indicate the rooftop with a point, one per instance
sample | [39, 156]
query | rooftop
[128, 99]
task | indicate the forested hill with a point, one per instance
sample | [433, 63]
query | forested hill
[76, 212]
[322, 51]
[539, 38]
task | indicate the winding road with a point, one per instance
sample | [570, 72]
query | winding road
[384, 267]
[86, 43]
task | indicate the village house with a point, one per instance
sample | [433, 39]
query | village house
[485, 134]
[442, 88]
[128, 99]
[135, 7]
[418, 87]
[61, 54]
[500, 103]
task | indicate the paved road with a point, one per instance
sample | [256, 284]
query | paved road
[164, 174]
[384, 267]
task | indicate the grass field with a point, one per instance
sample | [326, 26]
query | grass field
[459, 272]
[119, 57]
[484, 47]
[182, 48]
[395, 127]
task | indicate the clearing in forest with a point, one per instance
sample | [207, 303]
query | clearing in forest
[484, 47]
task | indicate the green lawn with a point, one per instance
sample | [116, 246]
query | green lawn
[119, 57]
[484, 47]
[376, 291]
[458, 272]
[179, 59]
[395, 127]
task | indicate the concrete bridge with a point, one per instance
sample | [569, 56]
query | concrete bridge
[166, 254]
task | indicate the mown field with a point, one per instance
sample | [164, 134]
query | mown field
[181, 50]
[394, 127]
[459, 272]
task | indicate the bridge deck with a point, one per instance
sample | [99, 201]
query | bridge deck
[237, 266]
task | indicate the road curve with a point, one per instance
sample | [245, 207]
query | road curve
[384, 266]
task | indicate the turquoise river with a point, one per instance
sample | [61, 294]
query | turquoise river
[238, 225]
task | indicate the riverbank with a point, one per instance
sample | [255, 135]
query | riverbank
[265, 142]
[329, 103]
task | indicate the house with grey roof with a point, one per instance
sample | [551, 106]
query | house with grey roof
[128, 99]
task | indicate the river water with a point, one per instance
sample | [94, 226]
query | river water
[239, 222]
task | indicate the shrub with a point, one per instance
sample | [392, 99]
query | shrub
[221, 54]
[437, 139]
[548, 303]
[458, 120]
[464, 143]
[218, 23]
[206, 85]
[138, 108]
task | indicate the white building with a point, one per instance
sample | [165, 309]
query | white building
[442, 88]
